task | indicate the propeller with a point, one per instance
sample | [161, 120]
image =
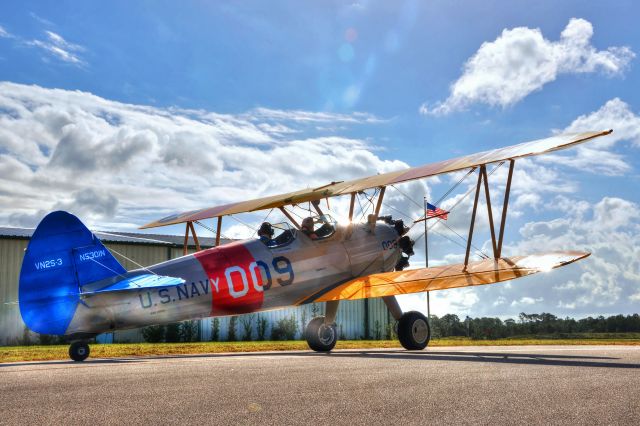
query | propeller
[404, 242]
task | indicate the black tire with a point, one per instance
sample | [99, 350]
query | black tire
[414, 332]
[321, 337]
[79, 351]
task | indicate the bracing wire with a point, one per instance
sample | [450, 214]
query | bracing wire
[210, 229]
[130, 260]
[242, 223]
[477, 250]
[263, 220]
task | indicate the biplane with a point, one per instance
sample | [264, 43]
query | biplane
[71, 285]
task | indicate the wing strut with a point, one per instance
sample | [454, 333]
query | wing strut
[218, 230]
[496, 244]
[288, 215]
[380, 198]
[504, 207]
[473, 218]
[185, 246]
[352, 205]
[316, 205]
[186, 239]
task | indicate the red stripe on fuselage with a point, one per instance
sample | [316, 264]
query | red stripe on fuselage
[236, 281]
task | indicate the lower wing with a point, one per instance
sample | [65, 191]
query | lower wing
[488, 271]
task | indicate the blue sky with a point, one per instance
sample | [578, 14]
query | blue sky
[202, 94]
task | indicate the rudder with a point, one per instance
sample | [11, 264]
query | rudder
[61, 256]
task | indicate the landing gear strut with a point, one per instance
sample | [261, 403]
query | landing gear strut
[414, 331]
[79, 351]
[321, 337]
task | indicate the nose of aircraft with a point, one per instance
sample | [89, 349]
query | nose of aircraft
[405, 243]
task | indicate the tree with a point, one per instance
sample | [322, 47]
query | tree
[232, 329]
[215, 329]
[247, 325]
[434, 325]
[262, 327]
[303, 319]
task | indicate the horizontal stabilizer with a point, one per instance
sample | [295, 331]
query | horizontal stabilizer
[488, 271]
[137, 282]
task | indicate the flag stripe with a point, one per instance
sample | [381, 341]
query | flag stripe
[433, 211]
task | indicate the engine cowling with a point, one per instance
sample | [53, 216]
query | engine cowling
[404, 242]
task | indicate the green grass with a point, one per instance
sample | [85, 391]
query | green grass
[123, 350]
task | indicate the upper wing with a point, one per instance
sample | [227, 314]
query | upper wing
[347, 187]
[488, 271]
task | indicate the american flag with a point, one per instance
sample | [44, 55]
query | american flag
[433, 211]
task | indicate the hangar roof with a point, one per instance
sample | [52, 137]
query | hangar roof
[121, 237]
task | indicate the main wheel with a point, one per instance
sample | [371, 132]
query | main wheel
[414, 331]
[321, 337]
[79, 351]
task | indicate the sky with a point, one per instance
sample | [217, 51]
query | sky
[125, 112]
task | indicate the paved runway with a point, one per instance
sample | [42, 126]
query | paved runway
[462, 385]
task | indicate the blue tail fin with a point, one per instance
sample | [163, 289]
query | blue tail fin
[62, 256]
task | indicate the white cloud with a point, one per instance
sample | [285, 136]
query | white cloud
[526, 301]
[312, 116]
[459, 301]
[4, 33]
[74, 150]
[597, 156]
[521, 61]
[609, 230]
[55, 45]
[501, 300]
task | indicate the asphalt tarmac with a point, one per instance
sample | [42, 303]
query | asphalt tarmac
[454, 385]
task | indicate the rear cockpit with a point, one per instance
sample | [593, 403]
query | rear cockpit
[277, 235]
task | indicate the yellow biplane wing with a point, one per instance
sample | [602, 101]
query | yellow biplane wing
[488, 271]
[525, 149]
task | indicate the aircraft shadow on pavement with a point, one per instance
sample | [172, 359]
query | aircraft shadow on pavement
[495, 357]
[69, 362]
[452, 356]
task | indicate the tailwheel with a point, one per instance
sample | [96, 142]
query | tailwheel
[79, 351]
[320, 336]
[414, 331]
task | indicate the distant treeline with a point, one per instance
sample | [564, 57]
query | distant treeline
[250, 327]
[530, 325]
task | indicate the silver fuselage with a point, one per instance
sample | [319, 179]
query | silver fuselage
[241, 277]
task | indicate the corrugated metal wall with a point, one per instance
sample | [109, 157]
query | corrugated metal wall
[11, 254]
[350, 320]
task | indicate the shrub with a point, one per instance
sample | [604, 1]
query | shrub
[172, 333]
[285, 329]
[153, 333]
[189, 331]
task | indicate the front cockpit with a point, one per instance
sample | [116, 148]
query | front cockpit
[315, 228]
